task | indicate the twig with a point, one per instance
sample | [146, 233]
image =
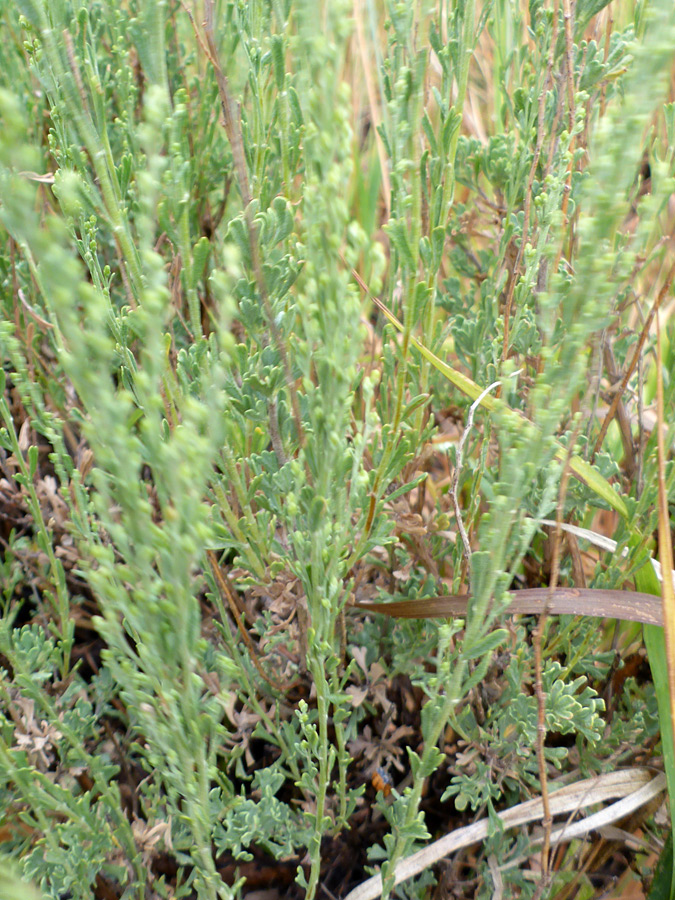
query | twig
[234, 136]
[238, 616]
[609, 25]
[541, 124]
[569, 71]
[611, 412]
[621, 414]
[538, 640]
[496, 876]
[458, 468]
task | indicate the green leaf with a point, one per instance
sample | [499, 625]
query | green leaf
[486, 644]
[277, 47]
[32, 461]
[416, 403]
[200, 253]
[397, 230]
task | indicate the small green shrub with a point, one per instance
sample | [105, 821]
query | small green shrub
[211, 444]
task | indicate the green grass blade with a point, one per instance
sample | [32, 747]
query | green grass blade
[655, 641]
[581, 469]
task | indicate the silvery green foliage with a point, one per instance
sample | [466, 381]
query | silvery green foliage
[223, 420]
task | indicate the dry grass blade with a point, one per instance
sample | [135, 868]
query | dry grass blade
[374, 106]
[633, 787]
[630, 606]
[604, 543]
